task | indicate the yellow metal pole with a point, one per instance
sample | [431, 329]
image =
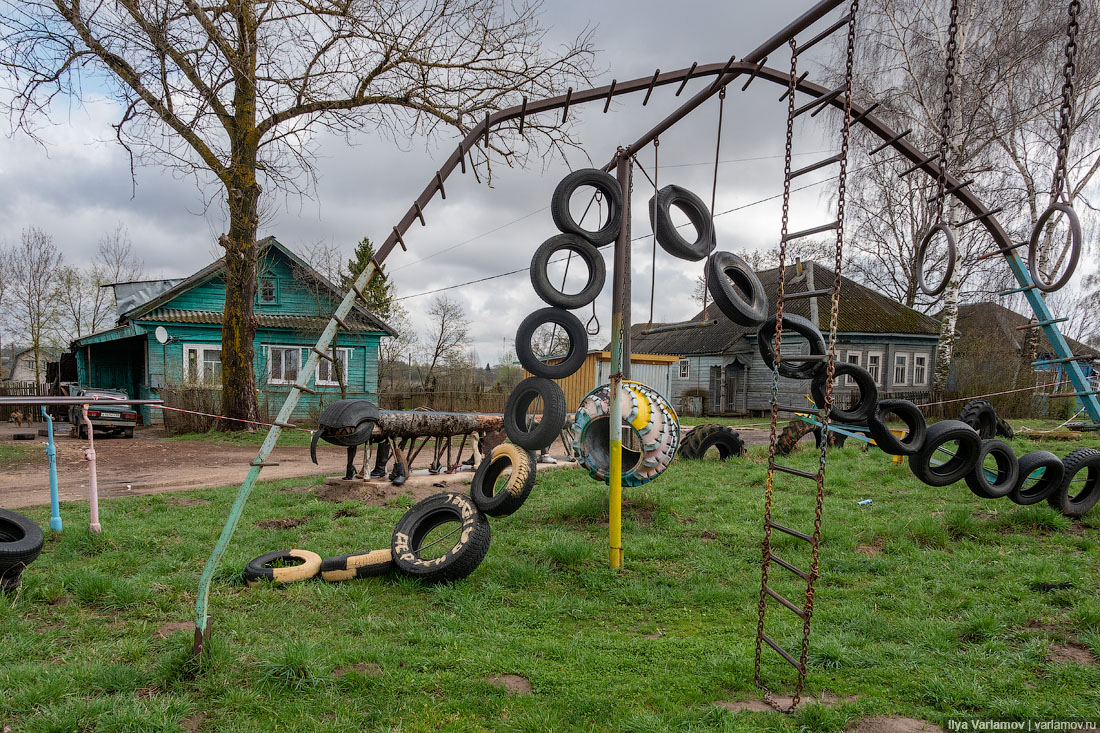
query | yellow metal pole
[620, 360]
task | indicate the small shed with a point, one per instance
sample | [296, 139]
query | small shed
[652, 370]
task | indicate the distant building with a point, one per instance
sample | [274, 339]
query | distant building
[720, 370]
[653, 370]
[21, 365]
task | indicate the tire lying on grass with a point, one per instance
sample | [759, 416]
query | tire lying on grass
[483, 490]
[956, 467]
[352, 567]
[21, 542]
[470, 536]
[982, 416]
[1041, 474]
[1080, 487]
[1005, 475]
[722, 438]
[547, 429]
[910, 414]
[307, 565]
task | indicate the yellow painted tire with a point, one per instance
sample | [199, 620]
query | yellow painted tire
[516, 491]
[353, 567]
[258, 568]
[642, 418]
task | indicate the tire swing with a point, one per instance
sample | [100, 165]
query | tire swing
[736, 289]
[542, 433]
[540, 281]
[607, 186]
[765, 338]
[999, 481]
[574, 330]
[860, 412]
[959, 465]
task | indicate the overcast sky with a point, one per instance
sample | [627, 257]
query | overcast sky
[78, 187]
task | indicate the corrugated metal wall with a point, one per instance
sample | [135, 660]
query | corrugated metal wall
[652, 370]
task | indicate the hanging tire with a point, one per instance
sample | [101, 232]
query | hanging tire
[959, 465]
[574, 330]
[724, 440]
[1050, 474]
[547, 429]
[483, 485]
[589, 255]
[21, 541]
[603, 182]
[353, 567]
[982, 416]
[765, 339]
[308, 565]
[668, 236]
[910, 414]
[413, 528]
[1076, 496]
[1007, 473]
[858, 413]
[736, 289]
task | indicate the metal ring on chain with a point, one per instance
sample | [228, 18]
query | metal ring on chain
[922, 251]
[1074, 248]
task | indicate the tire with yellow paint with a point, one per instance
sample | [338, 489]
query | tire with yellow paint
[307, 565]
[353, 567]
[470, 534]
[522, 479]
[656, 427]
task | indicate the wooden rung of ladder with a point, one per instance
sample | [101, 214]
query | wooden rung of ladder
[812, 231]
[1005, 250]
[782, 652]
[1040, 324]
[783, 563]
[322, 354]
[986, 215]
[890, 142]
[286, 425]
[359, 292]
[794, 471]
[790, 606]
[1024, 289]
[791, 532]
[807, 294]
[916, 166]
[824, 34]
[340, 322]
[814, 166]
[1082, 357]
[821, 101]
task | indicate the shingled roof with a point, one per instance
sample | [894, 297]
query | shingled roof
[984, 319]
[862, 310]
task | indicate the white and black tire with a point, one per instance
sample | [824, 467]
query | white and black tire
[307, 565]
[471, 536]
[515, 491]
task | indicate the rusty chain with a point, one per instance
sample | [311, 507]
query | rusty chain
[948, 104]
[1065, 112]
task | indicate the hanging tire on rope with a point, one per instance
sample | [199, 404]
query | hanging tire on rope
[1005, 473]
[765, 339]
[944, 473]
[982, 416]
[915, 426]
[1080, 487]
[574, 330]
[586, 252]
[518, 487]
[603, 182]
[1041, 474]
[462, 545]
[736, 289]
[867, 391]
[355, 567]
[544, 432]
[653, 446]
[293, 566]
[668, 236]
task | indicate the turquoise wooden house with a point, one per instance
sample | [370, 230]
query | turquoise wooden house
[293, 304]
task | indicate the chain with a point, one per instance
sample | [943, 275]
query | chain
[948, 101]
[714, 192]
[769, 483]
[1065, 112]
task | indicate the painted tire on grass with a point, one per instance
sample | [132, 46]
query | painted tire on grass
[646, 413]
[308, 564]
[471, 536]
[483, 485]
[352, 567]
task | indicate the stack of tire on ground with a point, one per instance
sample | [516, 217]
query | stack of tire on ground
[21, 541]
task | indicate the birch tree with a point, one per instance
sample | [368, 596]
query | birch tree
[32, 269]
[237, 94]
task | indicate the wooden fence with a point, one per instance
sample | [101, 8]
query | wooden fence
[25, 389]
[489, 402]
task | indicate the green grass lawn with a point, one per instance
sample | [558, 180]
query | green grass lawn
[927, 607]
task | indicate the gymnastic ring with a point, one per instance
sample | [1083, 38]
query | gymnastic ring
[952, 252]
[1074, 252]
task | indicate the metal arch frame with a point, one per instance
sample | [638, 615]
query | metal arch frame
[752, 63]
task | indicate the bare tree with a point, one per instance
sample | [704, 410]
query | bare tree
[32, 269]
[84, 303]
[447, 342]
[236, 94]
[391, 350]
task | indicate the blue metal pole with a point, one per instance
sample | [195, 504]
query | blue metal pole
[51, 458]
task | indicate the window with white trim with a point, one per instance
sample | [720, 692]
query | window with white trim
[852, 357]
[685, 368]
[327, 374]
[202, 364]
[874, 366]
[920, 370]
[901, 369]
[283, 364]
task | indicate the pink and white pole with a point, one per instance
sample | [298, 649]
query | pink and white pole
[93, 489]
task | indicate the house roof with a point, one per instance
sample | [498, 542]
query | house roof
[983, 319]
[269, 320]
[361, 315]
[862, 310]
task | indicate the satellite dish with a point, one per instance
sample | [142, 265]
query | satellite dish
[161, 334]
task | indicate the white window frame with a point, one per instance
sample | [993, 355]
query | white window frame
[924, 379]
[879, 378]
[685, 368]
[904, 358]
[200, 361]
[345, 358]
[270, 348]
[848, 360]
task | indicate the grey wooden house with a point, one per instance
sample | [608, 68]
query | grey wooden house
[721, 373]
